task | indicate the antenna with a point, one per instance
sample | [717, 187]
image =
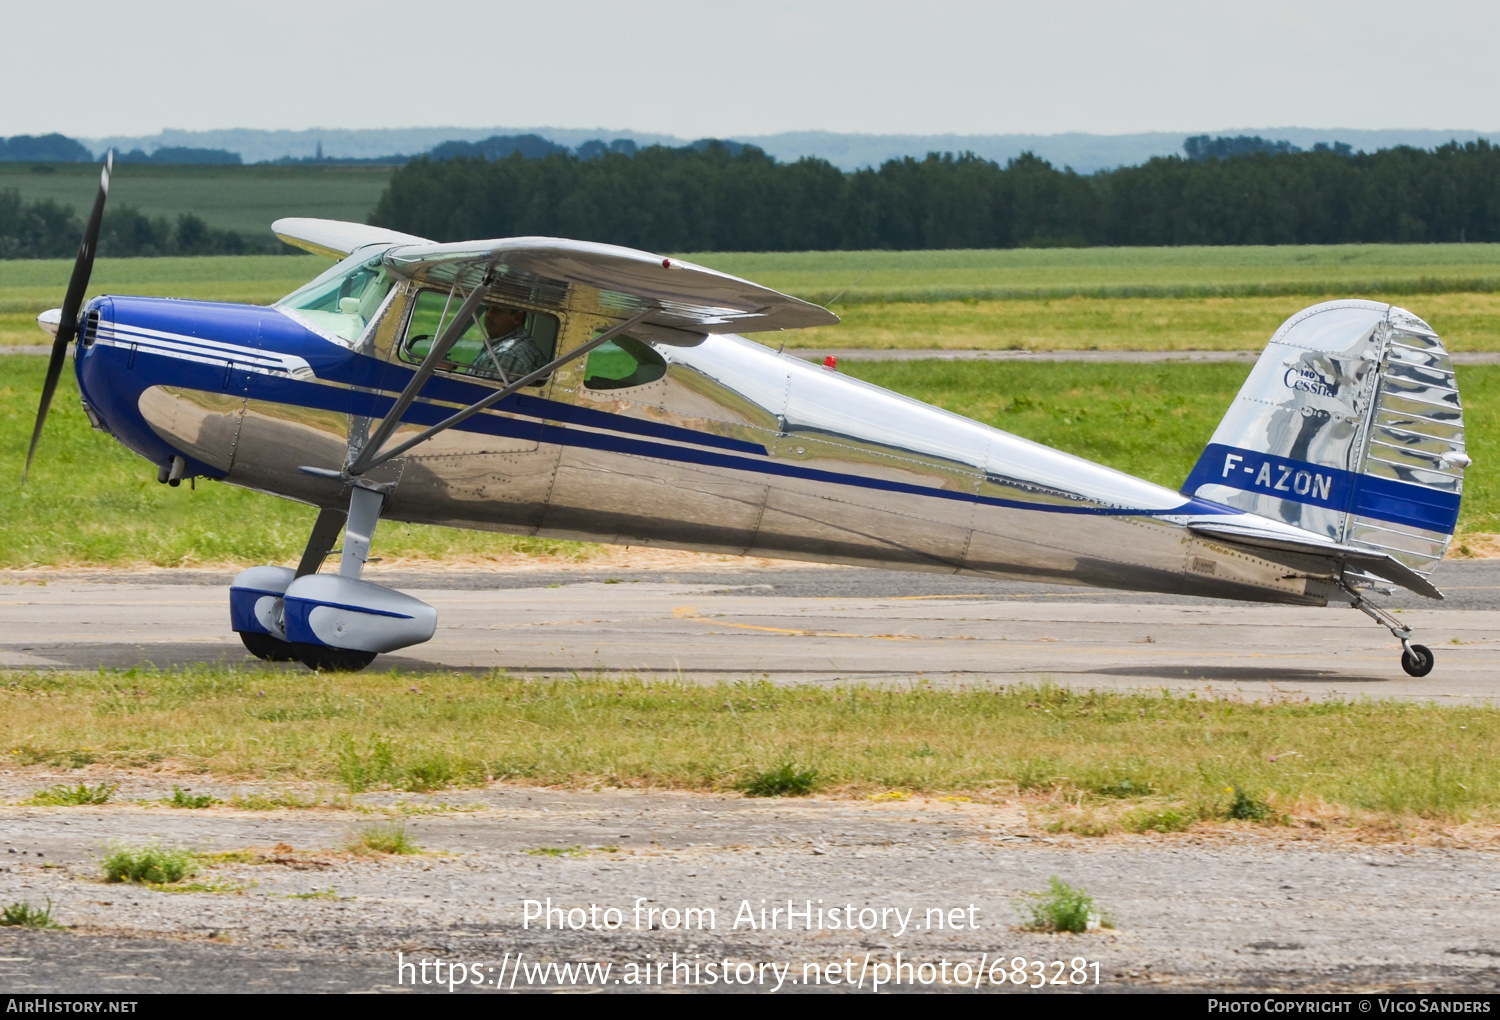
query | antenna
[847, 289]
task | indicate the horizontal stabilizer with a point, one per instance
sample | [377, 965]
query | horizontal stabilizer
[1367, 560]
[336, 238]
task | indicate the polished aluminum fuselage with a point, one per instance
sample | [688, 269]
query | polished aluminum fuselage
[737, 449]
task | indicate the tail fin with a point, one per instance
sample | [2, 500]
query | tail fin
[1350, 427]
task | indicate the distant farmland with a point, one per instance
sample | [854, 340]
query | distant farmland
[1179, 272]
[245, 199]
[1025, 298]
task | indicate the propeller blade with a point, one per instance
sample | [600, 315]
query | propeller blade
[67, 328]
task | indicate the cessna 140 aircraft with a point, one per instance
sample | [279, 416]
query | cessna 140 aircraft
[541, 386]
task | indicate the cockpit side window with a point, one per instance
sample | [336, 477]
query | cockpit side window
[502, 342]
[343, 299]
[622, 362]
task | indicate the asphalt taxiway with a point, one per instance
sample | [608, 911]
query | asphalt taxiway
[806, 625]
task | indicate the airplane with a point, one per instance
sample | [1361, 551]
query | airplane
[576, 390]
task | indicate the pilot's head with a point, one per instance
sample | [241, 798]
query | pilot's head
[500, 320]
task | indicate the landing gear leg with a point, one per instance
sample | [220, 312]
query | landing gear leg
[325, 532]
[359, 527]
[1416, 659]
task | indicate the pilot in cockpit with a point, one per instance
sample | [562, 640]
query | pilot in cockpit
[508, 346]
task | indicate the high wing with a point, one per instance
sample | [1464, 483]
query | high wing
[681, 298]
[1365, 560]
[336, 238]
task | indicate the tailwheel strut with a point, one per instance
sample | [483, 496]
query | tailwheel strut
[1416, 659]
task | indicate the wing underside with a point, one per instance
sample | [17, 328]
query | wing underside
[614, 281]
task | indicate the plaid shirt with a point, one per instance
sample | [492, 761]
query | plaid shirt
[515, 354]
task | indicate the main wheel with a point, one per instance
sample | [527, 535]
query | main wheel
[271, 649]
[1417, 660]
[332, 660]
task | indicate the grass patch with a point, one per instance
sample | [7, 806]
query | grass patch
[1360, 759]
[385, 838]
[73, 796]
[406, 807]
[1158, 819]
[183, 799]
[273, 802]
[316, 894]
[215, 886]
[149, 864]
[1062, 908]
[1245, 808]
[23, 914]
[785, 780]
[232, 857]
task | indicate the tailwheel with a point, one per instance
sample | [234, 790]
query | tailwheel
[271, 649]
[324, 659]
[1417, 660]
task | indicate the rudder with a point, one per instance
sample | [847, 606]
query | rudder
[1349, 426]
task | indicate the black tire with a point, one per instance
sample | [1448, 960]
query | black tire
[324, 659]
[271, 649]
[1417, 660]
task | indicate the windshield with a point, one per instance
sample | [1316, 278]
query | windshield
[344, 298]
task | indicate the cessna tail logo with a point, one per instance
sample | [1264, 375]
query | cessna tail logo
[1307, 381]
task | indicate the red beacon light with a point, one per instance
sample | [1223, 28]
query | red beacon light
[666, 263]
[831, 363]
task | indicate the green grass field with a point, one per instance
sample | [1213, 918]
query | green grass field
[240, 198]
[89, 501]
[926, 276]
[1469, 320]
[1466, 322]
[29, 286]
[1093, 763]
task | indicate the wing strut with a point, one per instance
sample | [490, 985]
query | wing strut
[440, 348]
[368, 460]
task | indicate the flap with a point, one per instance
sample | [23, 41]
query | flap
[667, 335]
[552, 272]
[1368, 560]
[336, 238]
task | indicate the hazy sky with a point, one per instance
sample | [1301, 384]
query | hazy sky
[725, 67]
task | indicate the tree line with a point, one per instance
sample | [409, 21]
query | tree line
[713, 197]
[46, 229]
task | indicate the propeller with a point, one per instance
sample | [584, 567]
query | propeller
[67, 328]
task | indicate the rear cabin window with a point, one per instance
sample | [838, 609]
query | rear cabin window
[623, 361]
[501, 342]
